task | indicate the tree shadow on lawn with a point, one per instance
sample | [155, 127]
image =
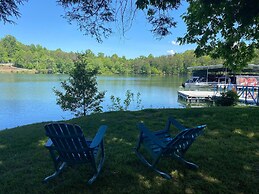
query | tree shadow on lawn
[124, 173]
[228, 159]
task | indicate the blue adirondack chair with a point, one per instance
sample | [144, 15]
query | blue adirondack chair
[161, 143]
[68, 146]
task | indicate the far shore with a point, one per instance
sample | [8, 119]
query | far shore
[9, 68]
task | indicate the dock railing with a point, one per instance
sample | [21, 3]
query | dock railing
[247, 94]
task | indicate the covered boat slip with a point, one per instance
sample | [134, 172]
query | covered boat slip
[212, 80]
[216, 74]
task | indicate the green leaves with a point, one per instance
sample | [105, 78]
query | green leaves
[158, 15]
[220, 28]
[223, 29]
[9, 8]
[130, 97]
[81, 94]
[34, 56]
[229, 98]
[92, 17]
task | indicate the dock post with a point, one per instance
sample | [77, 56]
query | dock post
[246, 88]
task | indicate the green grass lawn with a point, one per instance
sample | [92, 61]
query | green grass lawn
[227, 153]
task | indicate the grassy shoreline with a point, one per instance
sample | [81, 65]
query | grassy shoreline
[228, 155]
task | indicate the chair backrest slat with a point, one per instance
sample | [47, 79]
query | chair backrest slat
[178, 125]
[53, 131]
[69, 141]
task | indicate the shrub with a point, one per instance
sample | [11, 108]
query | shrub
[129, 98]
[229, 98]
[81, 94]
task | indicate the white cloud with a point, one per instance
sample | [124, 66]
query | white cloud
[175, 43]
[170, 52]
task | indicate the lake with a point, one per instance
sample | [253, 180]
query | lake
[26, 99]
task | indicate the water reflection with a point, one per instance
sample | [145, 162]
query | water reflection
[26, 99]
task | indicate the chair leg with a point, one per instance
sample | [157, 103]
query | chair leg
[97, 172]
[90, 181]
[99, 168]
[185, 162]
[56, 173]
[142, 159]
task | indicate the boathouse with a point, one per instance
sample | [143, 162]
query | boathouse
[215, 79]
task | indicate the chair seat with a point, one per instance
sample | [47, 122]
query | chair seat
[152, 147]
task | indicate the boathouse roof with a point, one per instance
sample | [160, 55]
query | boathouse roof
[221, 67]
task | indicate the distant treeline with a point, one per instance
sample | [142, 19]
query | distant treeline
[58, 61]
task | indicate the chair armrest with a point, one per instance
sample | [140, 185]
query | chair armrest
[176, 124]
[201, 127]
[48, 144]
[151, 136]
[99, 136]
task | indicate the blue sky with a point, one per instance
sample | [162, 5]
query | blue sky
[41, 23]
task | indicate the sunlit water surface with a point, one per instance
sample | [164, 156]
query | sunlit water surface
[26, 99]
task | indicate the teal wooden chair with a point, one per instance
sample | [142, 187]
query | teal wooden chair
[160, 143]
[68, 147]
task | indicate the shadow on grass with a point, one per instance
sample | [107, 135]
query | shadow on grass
[227, 155]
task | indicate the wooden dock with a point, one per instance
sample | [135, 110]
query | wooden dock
[247, 95]
[196, 96]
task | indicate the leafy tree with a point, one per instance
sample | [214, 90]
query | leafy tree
[34, 56]
[220, 28]
[11, 46]
[81, 95]
[9, 8]
[224, 29]
[3, 54]
[47, 61]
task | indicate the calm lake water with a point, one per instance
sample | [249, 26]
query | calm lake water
[26, 99]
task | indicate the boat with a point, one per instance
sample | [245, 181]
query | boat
[214, 75]
[196, 81]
